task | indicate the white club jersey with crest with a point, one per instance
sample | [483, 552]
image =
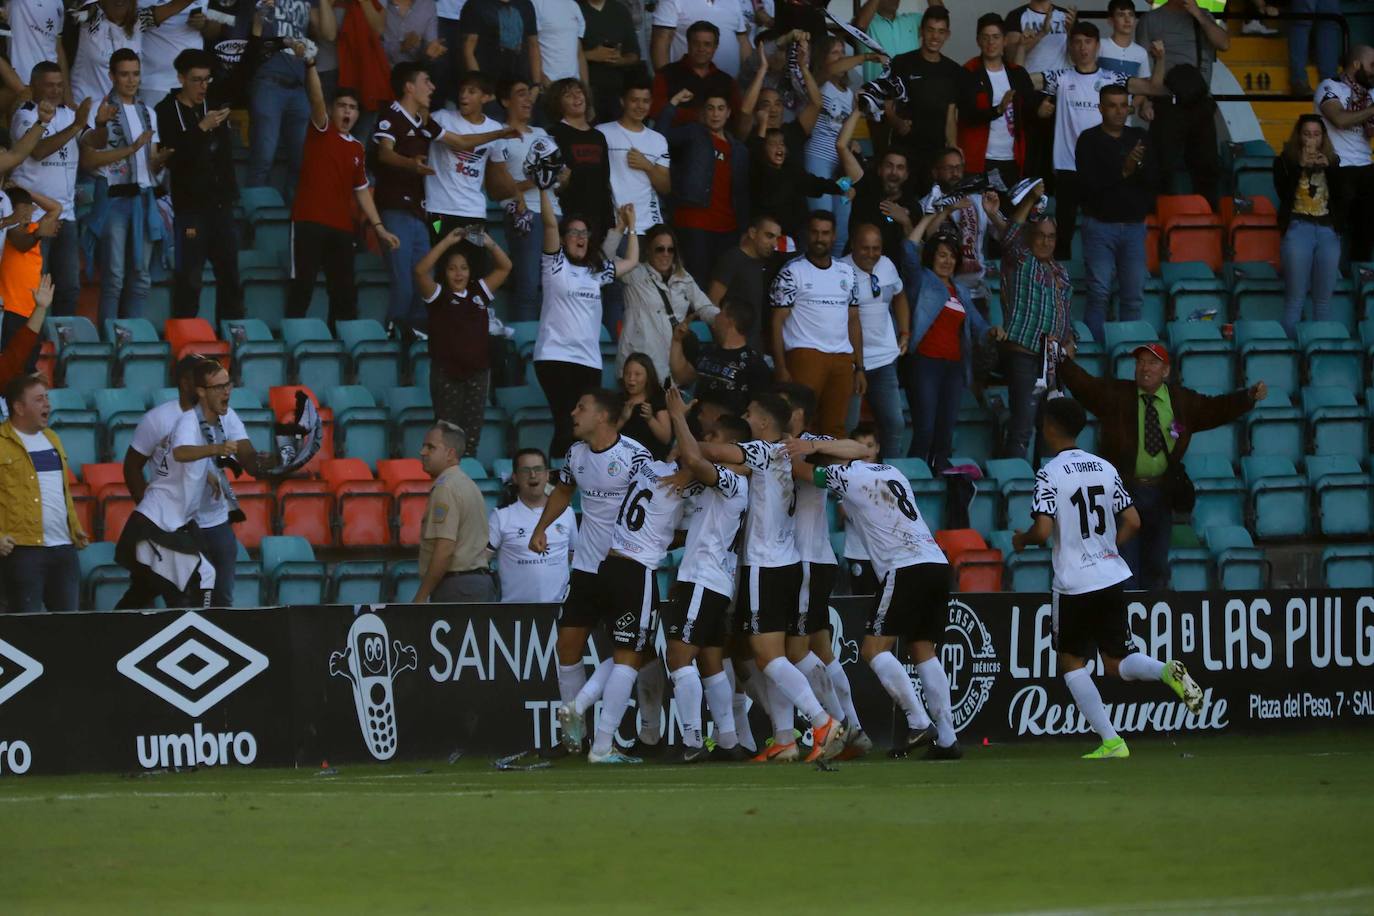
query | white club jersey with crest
[649, 515]
[526, 576]
[813, 528]
[879, 503]
[602, 478]
[1083, 493]
[715, 516]
[770, 531]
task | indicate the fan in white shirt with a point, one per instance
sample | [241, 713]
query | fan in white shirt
[673, 19]
[561, 27]
[638, 157]
[1081, 501]
[35, 30]
[109, 26]
[458, 185]
[528, 577]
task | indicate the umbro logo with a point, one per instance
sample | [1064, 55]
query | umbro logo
[192, 664]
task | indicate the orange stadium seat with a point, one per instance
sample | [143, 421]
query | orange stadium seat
[195, 335]
[977, 567]
[259, 505]
[364, 506]
[305, 506]
[1189, 230]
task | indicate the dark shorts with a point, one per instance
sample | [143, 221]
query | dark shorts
[767, 599]
[1092, 622]
[813, 615]
[696, 616]
[585, 606]
[912, 604]
[862, 579]
[631, 609]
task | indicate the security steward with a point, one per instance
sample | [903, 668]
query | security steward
[453, 533]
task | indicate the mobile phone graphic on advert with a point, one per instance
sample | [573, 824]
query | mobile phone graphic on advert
[370, 661]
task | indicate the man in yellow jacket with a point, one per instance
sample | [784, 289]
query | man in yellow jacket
[39, 531]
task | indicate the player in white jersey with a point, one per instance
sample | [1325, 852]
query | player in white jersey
[912, 601]
[529, 577]
[770, 580]
[696, 620]
[810, 643]
[600, 465]
[1080, 501]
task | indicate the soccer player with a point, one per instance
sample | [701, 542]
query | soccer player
[696, 622]
[600, 464]
[810, 643]
[913, 596]
[771, 579]
[1080, 500]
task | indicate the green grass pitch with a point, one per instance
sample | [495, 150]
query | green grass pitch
[1198, 825]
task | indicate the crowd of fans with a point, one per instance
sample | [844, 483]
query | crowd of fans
[828, 197]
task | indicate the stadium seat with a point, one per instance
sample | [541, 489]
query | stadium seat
[114, 505]
[1240, 565]
[526, 332]
[1220, 495]
[975, 432]
[195, 335]
[1189, 230]
[1190, 569]
[494, 435]
[361, 427]
[356, 582]
[317, 358]
[401, 580]
[259, 506]
[259, 359]
[419, 362]
[257, 420]
[374, 299]
[76, 425]
[1252, 231]
[363, 505]
[1201, 357]
[1343, 493]
[305, 508]
[1267, 354]
[930, 493]
[1031, 570]
[1278, 497]
[254, 199]
[82, 501]
[84, 361]
[1191, 287]
[281, 400]
[249, 587]
[412, 414]
[1348, 566]
[529, 414]
[1016, 482]
[1339, 426]
[265, 300]
[261, 265]
[142, 358]
[293, 575]
[396, 470]
[1275, 427]
[1223, 441]
[120, 410]
[1122, 338]
[975, 566]
[1332, 358]
[376, 359]
[103, 581]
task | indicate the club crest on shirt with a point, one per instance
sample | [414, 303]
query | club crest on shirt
[614, 468]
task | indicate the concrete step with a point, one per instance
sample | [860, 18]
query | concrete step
[1253, 47]
[1260, 78]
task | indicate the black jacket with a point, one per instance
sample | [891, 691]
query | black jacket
[201, 164]
[1286, 176]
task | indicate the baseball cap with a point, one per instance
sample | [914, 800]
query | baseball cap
[1154, 349]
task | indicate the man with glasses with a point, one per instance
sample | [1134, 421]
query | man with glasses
[453, 532]
[528, 577]
[203, 190]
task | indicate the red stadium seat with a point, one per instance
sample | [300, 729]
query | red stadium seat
[306, 507]
[1189, 230]
[392, 471]
[116, 505]
[281, 399]
[338, 471]
[259, 505]
[977, 568]
[84, 502]
[195, 335]
[411, 497]
[363, 503]
[1252, 235]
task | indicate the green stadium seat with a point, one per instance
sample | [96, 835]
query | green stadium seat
[492, 446]
[374, 300]
[317, 358]
[1275, 427]
[1343, 493]
[1220, 495]
[376, 358]
[120, 409]
[1190, 569]
[418, 359]
[1267, 354]
[293, 575]
[84, 361]
[248, 581]
[1031, 570]
[272, 233]
[1223, 441]
[259, 359]
[525, 334]
[1202, 358]
[76, 425]
[360, 426]
[1348, 566]
[141, 356]
[257, 420]
[1339, 426]
[412, 414]
[1121, 338]
[401, 581]
[1278, 497]
[1332, 358]
[1016, 482]
[262, 265]
[356, 582]
[975, 432]
[1240, 565]
[265, 300]
[103, 581]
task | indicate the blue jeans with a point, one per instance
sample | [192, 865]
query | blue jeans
[1328, 40]
[1021, 371]
[1311, 260]
[1148, 552]
[221, 549]
[525, 277]
[934, 389]
[278, 117]
[405, 306]
[1113, 250]
[124, 277]
[884, 399]
[62, 259]
[38, 578]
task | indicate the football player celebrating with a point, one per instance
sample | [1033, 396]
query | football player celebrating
[1080, 500]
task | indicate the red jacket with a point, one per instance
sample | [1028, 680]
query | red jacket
[976, 111]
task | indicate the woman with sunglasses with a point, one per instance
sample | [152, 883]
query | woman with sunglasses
[459, 307]
[945, 326]
[659, 295]
[567, 350]
[1307, 177]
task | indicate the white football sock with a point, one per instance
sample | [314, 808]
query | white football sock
[687, 690]
[743, 730]
[814, 670]
[935, 685]
[613, 705]
[784, 676]
[650, 690]
[594, 687]
[840, 682]
[571, 679]
[892, 675]
[1089, 702]
[1140, 667]
[720, 698]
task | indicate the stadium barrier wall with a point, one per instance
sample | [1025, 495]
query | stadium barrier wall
[130, 692]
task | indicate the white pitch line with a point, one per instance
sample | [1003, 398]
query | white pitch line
[1217, 903]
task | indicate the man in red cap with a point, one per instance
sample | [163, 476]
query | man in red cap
[1146, 425]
